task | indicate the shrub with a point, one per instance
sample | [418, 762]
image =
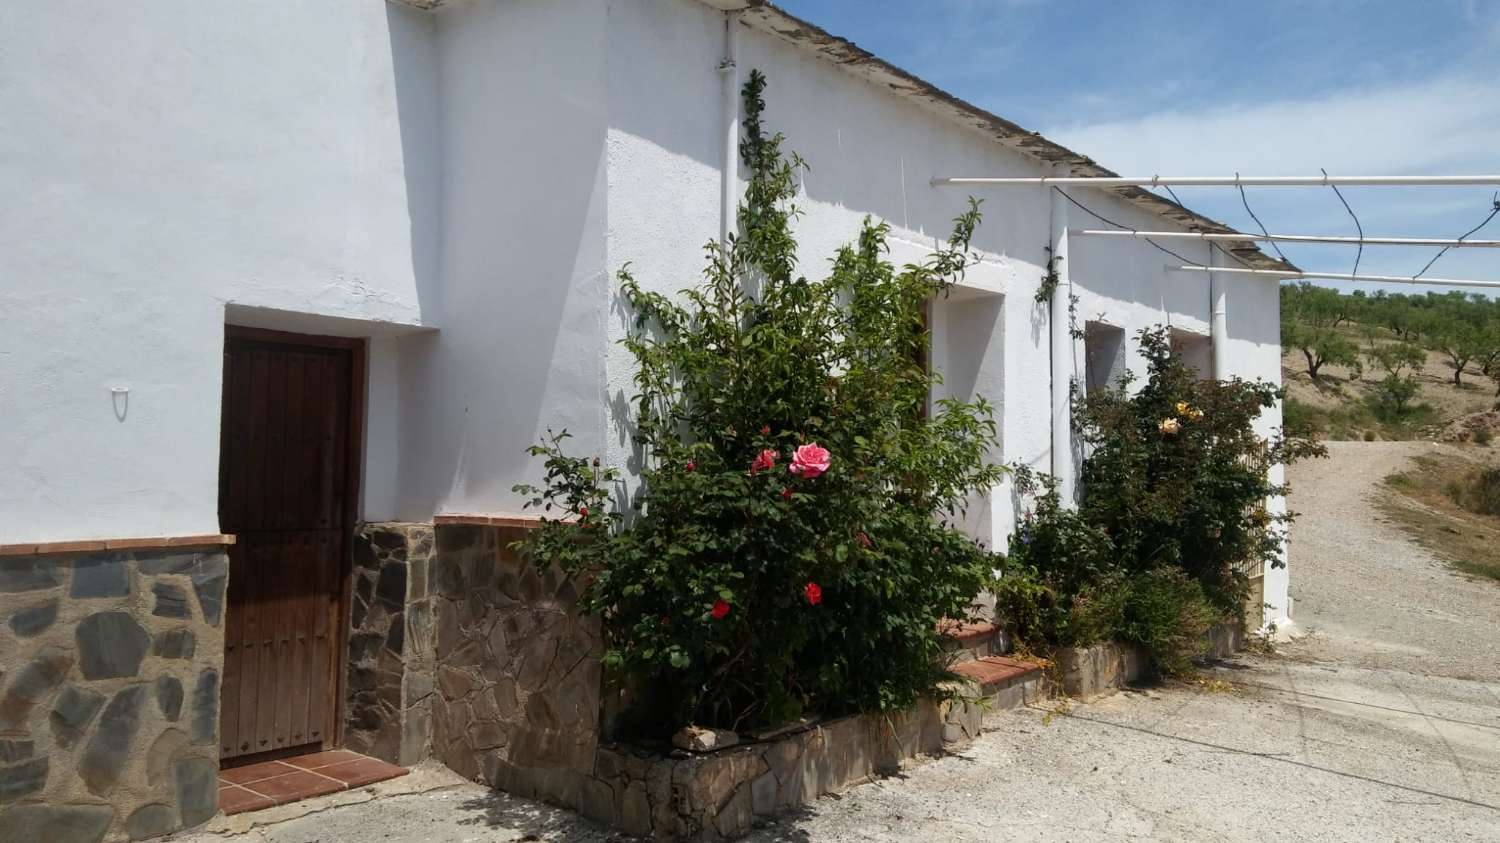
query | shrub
[788, 549]
[1177, 476]
[1061, 584]
[1172, 517]
[1394, 392]
[1483, 436]
[1371, 436]
[1303, 419]
[1166, 613]
[1479, 492]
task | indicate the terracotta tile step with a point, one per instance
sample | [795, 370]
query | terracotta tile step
[995, 672]
[966, 633]
[268, 783]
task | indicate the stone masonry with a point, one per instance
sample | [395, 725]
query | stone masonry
[518, 673]
[518, 697]
[388, 709]
[109, 693]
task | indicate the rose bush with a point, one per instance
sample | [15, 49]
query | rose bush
[787, 550]
[1171, 520]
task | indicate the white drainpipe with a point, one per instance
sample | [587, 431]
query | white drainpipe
[729, 76]
[1062, 354]
[1219, 314]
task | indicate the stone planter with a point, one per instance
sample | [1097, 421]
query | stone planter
[1086, 672]
[517, 703]
[722, 795]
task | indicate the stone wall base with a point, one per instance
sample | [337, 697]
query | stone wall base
[109, 717]
[388, 705]
[1087, 672]
[720, 796]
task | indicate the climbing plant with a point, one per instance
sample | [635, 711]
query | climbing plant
[791, 546]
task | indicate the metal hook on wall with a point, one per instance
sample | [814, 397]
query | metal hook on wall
[120, 396]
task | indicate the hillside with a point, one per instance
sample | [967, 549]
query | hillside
[1383, 366]
[1338, 404]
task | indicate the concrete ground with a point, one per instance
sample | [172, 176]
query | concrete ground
[1382, 723]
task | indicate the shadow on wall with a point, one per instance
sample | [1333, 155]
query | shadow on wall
[869, 152]
[506, 187]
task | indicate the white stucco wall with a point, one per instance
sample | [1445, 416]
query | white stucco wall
[161, 161]
[483, 170]
[523, 295]
[870, 153]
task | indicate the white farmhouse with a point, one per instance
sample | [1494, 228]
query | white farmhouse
[282, 285]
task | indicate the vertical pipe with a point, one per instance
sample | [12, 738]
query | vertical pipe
[729, 77]
[1061, 340]
[1219, 316]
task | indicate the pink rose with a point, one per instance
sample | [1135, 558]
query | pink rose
[764, 461]
[810, 460]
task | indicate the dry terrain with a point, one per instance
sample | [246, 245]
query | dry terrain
[1340, 392]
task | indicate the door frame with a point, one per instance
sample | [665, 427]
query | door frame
[354, 459]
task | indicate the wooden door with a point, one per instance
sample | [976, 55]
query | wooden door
[287, 480]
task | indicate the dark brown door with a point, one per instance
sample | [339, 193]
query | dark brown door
[286, 487]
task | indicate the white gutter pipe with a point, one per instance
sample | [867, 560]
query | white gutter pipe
[1220, 237]
[1216, 181]
[729, 77]
[1218, 288]
[1061, 342]
[1339, 276]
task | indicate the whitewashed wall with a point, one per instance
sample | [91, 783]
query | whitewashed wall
[484, 171]
[159, 162]
[873, 153]
[523, 295]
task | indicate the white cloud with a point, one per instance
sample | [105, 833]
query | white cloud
[1416, 128]
[1447, 125]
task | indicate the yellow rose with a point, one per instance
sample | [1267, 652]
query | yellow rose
[1169, 426]
[1182, 408]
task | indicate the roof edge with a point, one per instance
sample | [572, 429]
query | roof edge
[765, 16]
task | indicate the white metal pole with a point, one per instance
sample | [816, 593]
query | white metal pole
[1341, 276]
[729, 78]
[1214, 181]
[1061, 342]
[1218, 285]
[1222, 237]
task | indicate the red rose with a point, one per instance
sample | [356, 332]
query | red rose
[720, 610]
[690, 465]
[765, 430]
[814, 594]
[786, 494]
[584, 511]
[863, 539]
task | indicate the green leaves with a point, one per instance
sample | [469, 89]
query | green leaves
[1172, 520]
[757, 358]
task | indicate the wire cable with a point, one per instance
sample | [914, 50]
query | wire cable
[1245, 200]
[1096, 215]
[1495, 200]
[1213, 247]
[1357, 227]
[1091, 212]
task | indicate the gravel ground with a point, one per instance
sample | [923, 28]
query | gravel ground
[1383, 723]
[1368, 595]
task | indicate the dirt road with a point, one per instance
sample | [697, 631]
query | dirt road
[1368, 595]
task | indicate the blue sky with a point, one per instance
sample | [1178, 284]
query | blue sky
[1272, 87]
